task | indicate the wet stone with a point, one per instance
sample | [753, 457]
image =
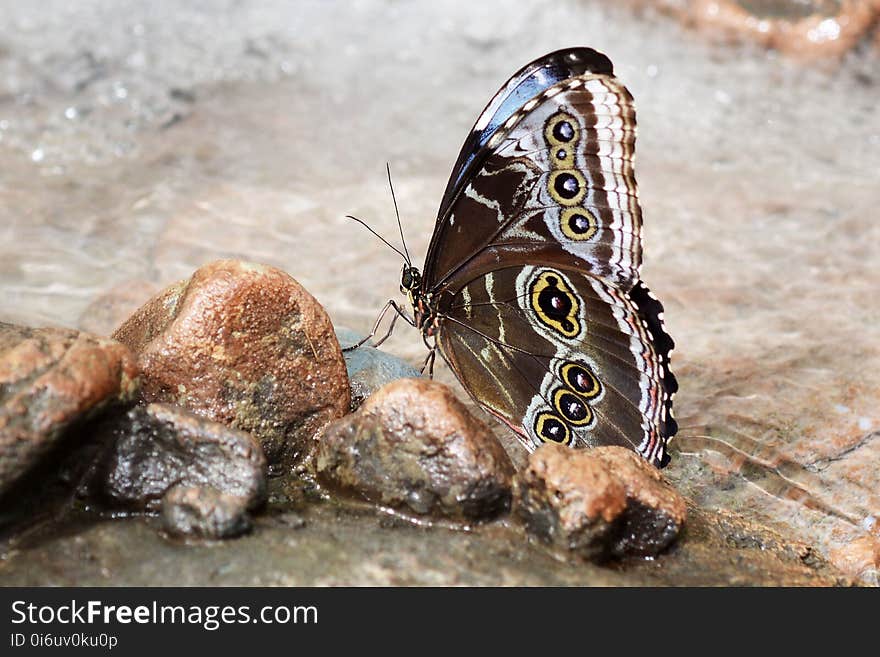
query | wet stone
[598, 503]
[807, 29]
[245, 345]
[414, 447]
[51, 379]
[370, 368]
[161, 446]
[204, 512]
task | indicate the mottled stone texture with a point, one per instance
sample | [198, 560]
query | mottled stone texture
[413, 446]
[204, 513]
[160, 446]
[49, 379]
[245, 345]
[597, 503]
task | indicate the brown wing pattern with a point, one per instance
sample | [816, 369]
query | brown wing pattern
[560, 356]
[533, 273]
[558, 187]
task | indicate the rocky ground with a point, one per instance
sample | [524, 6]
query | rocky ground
[140, 141]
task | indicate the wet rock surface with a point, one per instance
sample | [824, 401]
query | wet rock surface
[204, 512]
[160, 447]
[338, 545]
[369, 368]
[414, 447]
[598, 503]
[247, 346]
[49, 380]
[805, 29]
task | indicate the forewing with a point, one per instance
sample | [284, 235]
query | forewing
[557, 187]
[530, 81]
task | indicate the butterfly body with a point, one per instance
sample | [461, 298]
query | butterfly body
[531, 288]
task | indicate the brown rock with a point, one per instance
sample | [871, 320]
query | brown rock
[655, 512]
[204, 513]
[49, 379]
[601, 502]
[807, 29]
[245, 345]
[161, 446]
[414, 447]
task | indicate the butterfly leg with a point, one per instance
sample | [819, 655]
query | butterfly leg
[399, 312]
[429, 359]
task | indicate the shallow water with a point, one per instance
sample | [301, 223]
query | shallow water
[139, 140]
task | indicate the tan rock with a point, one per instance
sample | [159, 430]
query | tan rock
[245, 345]
[413, 446]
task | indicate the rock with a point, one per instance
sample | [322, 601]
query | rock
[247, 346]
[598, 503]
[807, 29]
[50, 379]
[414, 447]
[162, 446]
[204, 512]
[369, 368]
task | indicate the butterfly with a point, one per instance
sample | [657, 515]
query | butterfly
[530, 289]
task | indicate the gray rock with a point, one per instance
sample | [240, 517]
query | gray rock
[204, 512]
[598, 503]
[161, 446]
[414, 447]
[369, 368]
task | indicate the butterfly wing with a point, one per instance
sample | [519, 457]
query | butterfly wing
[555, 184]
[560, 356]
[541, 218]
[531, 80]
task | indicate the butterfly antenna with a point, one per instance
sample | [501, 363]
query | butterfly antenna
[362, 223]
[397, 212]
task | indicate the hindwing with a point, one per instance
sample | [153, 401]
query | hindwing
[561, 356]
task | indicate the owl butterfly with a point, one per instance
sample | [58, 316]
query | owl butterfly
[530, 288]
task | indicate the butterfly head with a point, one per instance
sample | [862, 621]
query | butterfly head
[410, 281]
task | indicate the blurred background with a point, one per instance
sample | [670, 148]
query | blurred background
[140, 139]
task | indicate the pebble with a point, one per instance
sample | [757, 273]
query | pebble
[414, 447]
[598, 503]
[204, 512]
[161, 446]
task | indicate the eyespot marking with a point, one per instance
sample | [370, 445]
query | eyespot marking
[555, 303]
